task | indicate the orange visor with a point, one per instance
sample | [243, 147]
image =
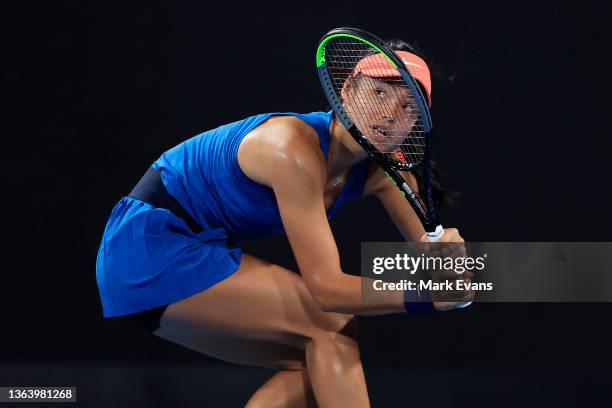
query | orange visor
[378, 66]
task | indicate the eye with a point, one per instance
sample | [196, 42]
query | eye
[380, 93]
[408, 109]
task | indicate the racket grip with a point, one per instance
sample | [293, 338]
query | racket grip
[437, 233]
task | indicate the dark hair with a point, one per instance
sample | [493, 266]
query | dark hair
[401, 45]
[441, 195]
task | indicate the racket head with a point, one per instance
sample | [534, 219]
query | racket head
[375, 97]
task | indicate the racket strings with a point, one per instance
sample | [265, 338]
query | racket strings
[375, 108]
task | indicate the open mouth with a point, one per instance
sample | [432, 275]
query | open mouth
[379, 131]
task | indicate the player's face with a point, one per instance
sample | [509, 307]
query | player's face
[385, 113]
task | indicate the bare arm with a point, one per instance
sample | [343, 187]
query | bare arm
[395, 204]
[294, 167]
[401, 212]
[299, 193]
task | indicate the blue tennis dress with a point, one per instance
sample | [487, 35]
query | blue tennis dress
[149, 257]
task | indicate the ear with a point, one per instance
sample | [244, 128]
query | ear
[346, 88]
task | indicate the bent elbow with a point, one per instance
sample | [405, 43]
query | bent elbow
[327, 297]
[327, 305]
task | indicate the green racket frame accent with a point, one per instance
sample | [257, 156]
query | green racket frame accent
[321, 49]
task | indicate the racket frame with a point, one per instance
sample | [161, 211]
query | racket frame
[428, 215]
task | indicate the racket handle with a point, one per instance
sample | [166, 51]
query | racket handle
[437, 233]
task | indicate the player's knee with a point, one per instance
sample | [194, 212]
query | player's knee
[330, 343]
[334, 329]
[350, 328]
[339, 326]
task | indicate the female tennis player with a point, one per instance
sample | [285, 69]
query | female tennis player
[170, 259]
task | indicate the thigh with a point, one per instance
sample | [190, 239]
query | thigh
[237, 351]
[260, 301]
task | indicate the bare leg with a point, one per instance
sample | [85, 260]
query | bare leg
[285, 389]
[337, 359]
[290, 387]
[265, 303]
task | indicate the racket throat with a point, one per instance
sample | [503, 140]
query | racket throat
[415, 201]
[432, 233]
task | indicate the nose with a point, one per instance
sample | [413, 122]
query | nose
[389, 120]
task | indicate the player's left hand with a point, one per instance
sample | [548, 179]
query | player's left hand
[449, 245]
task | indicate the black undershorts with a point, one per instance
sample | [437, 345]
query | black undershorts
[147, 319]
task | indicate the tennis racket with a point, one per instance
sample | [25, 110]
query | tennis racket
[379, 102]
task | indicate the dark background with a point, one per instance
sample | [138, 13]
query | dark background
[94, 92]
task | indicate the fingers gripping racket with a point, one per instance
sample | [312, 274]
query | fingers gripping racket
[379, 102]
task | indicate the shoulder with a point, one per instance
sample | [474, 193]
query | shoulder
[281, 146]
